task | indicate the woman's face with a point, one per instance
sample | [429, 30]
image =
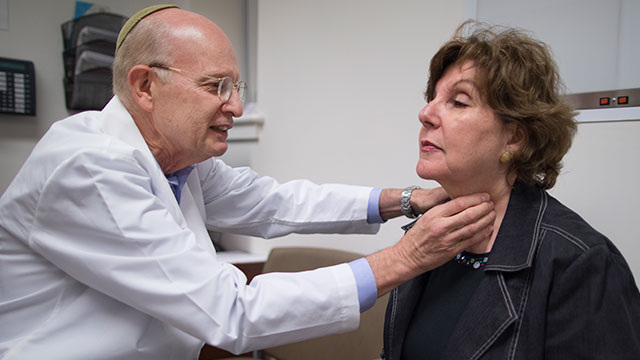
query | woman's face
[461, 138]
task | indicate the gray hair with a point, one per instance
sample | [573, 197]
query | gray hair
[146, 44]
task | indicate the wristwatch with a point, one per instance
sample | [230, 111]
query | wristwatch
[405, 202]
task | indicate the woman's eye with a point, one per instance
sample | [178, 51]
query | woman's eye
[459, 104]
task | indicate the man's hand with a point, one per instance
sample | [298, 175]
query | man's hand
[439, 235]
[421, 201]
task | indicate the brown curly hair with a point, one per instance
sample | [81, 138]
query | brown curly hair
[519, 80]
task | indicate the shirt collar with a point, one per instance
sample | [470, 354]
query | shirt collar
[177, 179]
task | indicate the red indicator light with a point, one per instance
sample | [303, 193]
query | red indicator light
[623, 100]
[604, 101]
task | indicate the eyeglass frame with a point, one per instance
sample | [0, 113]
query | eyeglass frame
[240, 84]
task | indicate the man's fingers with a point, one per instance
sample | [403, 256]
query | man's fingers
[448, 229]
[459, 218]
[471, 221]
[477, 237]
[439, 195]
[461, 203]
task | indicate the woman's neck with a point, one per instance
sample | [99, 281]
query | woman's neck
[500, 193]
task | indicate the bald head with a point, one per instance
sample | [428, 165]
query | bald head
[167, 36]
[135, 19]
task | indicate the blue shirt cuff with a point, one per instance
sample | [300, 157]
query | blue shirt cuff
[373, 211]
[366, 283]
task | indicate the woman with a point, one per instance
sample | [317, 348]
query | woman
[546, 285]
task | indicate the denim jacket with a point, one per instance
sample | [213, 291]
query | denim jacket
[553, 288]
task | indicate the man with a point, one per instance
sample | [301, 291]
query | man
[104, 252]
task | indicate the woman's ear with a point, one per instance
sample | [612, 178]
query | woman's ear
[516, 136]
[140, 79]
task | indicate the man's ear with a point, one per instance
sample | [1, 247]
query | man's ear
[140, 79]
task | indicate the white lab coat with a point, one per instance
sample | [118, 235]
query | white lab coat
[98, 260]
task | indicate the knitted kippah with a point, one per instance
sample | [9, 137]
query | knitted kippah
[135, 18]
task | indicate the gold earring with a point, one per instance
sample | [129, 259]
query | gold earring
[505, 157]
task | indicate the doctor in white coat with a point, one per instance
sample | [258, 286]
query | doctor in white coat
[104, 252]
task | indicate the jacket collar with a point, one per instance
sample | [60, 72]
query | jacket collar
[511, 251]
[491, 314]
[499, 303]
[518, 237]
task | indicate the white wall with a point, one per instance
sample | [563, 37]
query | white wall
[341, 84]
[594, 51]
[600, 182]
[34, 34]
[596, 48]
[33, 37]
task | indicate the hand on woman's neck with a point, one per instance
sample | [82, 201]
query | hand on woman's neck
[500, 193]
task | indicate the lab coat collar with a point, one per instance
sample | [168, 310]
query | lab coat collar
[190, 213]
[118, 123]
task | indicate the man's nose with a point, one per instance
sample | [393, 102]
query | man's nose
[233, 105]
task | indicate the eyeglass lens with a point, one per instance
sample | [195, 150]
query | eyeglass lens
[226, 88]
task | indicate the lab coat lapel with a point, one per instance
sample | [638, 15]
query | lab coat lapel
[119, 124]
[192, 206]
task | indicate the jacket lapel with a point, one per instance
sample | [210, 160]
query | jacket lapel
[497, 303]
[402, 305]
[489, 313]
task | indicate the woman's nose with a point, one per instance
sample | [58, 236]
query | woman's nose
[428, 114]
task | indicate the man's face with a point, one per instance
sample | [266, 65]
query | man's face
[190, 118]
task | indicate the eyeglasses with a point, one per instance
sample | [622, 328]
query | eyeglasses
[224, 85]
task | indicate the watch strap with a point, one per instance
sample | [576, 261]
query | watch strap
[405, 202]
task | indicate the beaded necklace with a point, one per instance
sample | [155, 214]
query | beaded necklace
[475, 262]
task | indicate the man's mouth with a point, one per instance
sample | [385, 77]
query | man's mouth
[220, 128]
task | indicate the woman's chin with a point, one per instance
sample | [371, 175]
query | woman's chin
[426, 174]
